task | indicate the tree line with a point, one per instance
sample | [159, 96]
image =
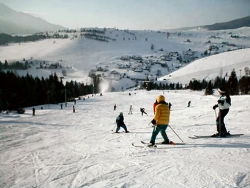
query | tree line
[232, 85]
[15, 65]
[22, 91]
[5, 38]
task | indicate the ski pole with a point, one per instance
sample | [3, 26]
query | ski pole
[176, 133]
[215, 113]
[220, 124]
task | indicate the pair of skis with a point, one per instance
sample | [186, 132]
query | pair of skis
[145, 144]
[209, 136]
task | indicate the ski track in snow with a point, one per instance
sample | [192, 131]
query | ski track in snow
[59, 148]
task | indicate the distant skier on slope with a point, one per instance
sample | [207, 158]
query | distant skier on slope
[33, 111]
[130, 109]
[160, 121]
[143, 111]
[169, 105]
[120, 123]
[224, 104]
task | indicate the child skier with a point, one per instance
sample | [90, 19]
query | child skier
[120, 123]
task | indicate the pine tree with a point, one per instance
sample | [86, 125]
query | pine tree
[244, 85]
[209, 89]
[232, 84]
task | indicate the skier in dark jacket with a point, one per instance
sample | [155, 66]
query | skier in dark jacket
[169, 105]
[34, 111]
[143, 111]
[224, 104]
[120, 123]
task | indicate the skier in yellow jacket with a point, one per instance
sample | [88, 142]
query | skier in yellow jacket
[160, 121]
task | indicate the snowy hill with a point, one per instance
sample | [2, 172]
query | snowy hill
[208, 68]
[135, 55]
[59, 148]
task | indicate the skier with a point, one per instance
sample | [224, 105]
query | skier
[74, 110]
[224, 104]
[160, 121]
[34, 111]
[115, 107]
[130, 109]
[169, 105]
[154, 105]
[143, 111]
[120, 123]
[189, 103]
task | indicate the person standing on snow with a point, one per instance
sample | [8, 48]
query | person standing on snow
[130, 109]
[120, 123]
[160, 121]
[169, 105]
[224, 104]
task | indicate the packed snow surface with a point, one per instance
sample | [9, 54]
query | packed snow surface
[59, 148]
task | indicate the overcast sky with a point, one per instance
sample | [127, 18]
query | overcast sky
[133, 14]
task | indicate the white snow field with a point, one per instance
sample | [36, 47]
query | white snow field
[59, 148]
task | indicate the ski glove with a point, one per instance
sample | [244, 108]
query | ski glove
[153, 122]
[215, 106]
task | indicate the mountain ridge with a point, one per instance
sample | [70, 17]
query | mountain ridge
[14, 22]
[233, 24]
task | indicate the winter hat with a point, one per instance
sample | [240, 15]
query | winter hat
[160, 98]
[222, 90]
[121, 113]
